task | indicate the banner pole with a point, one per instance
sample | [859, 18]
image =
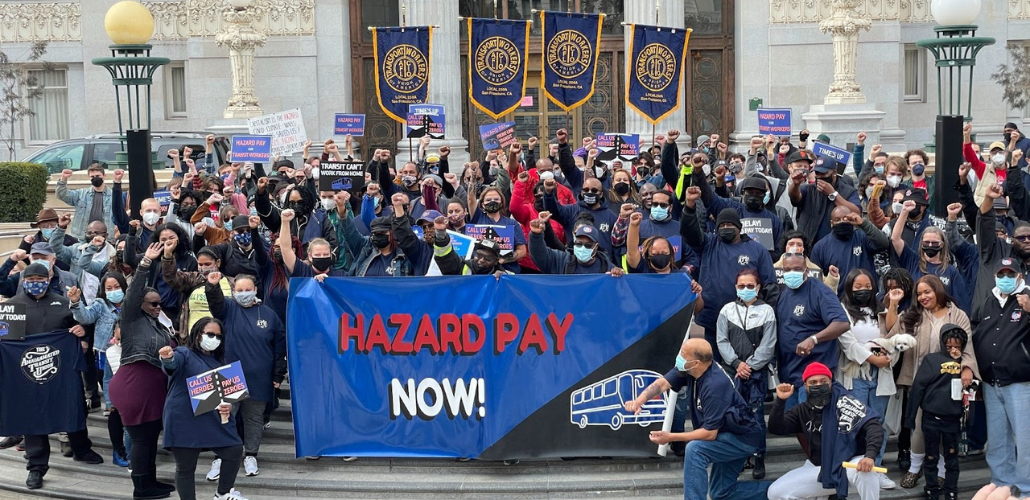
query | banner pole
[411, 151]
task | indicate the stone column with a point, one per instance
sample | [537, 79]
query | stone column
[671, 14]
[444, 74]
[844, 24]
[241, 38]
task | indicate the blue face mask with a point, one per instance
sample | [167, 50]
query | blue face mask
[918, 169]
[44, 263]
[747, 295]
[878, 168]
[35, 288]
[1005, 285]
[659, 213]
[243, 239]
[115, 296]
[765, 199]
[681, 363]
[253, 210]
[583, 254]
[48, 232]
[228, 225]
[793, 279]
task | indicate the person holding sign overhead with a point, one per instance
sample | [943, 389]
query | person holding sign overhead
[186, 434]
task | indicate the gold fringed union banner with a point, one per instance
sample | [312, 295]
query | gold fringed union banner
[571, 44]
[498, 49]
[656, 59]
[402, 59]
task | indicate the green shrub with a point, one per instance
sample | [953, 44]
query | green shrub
[22, 191]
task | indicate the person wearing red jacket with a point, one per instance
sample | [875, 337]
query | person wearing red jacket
[979, 166]
[525, 206]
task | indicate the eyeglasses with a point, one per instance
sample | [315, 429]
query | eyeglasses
[591, 191]
[1008, 274]
[661, 205]
[749, 287]
[932, 244]
[93, 235]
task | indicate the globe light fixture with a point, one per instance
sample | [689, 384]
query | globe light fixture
[129, 23]
[955, 12]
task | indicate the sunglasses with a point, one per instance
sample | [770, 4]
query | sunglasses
[932, 244]
[749, 287]
[154, 304]
[584, 245]
[661, 205]
[1008, 274]
[592, 191]
[1024, 238]
[212, 335]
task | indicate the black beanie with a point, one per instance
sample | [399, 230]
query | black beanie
[728, 215]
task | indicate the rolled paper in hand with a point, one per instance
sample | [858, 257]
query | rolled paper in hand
[849, 465]
[225, 416]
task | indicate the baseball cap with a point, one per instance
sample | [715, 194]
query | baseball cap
[429, 216]
[996, 145]
[1007, 263]
[488, 244]
[588, 231]
[41, 248]
[917, 195]
[35, 269]
[801, 155]
[824, 164]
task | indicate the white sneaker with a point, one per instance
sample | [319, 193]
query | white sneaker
[250, 465]
[886, 483]
[231, 495]
[216, 470]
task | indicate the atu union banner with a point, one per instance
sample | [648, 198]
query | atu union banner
[497, 64]
[657, 55]
[571, 46]
[510, 368]
[402, 58]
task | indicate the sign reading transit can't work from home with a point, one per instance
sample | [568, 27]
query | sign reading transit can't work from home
[341, 176]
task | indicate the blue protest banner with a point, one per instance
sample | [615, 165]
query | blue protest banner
[775, 121]
[402, 59]
[497, 135]
[498, 61]
[626, 146]
[832, 152]
[656, 59]
[164, 198]
[505, 368]
[426, 119]
[462, 244]
[211, 388]
[572, 44]
[255, 148]
[349, 124]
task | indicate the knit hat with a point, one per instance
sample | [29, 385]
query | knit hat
[816, 368]
[435, 178]
[728, 215]
[701, 139]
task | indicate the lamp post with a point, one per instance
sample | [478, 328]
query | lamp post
[954, 50]
[130, 25]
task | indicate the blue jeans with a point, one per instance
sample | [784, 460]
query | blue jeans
[753, 390]
[108, 374]
[865, 391]
[726, 454]
[1008, 428]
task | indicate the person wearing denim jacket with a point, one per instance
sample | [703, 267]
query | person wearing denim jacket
[82, 199]
[103, 313]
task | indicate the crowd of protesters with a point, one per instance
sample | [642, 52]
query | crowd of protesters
[832, 289]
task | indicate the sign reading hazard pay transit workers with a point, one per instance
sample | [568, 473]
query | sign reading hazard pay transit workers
[508, 368]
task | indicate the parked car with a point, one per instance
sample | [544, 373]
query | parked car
[79, 154]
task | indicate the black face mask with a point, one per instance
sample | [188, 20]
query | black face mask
[862, 296]
[1008, 138]
[753, 202]
[643, 172]
[831, 180]
[381, 241]
[843, 231]
[492, 207]
[930, 251]
[187, 212]
[277, 255]
[295, 206]
[118, 254]
[622, 189]
[915, 214]
[727, 234]
[96, 181]
[818, 395]
[321, 263]
[659, 261]
[538, 203]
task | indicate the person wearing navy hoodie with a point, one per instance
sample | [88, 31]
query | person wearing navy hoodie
[257, 339]
[585, 258]
[186, 434]
[721, 257]
[839, 429]
[755, 196]
[809, 320]
[592, 201]
[848, 249]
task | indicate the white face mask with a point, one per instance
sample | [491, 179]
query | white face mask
[315, 173]
[998, 159]
[896, 207]
[546, 176]
[151, 218]
[893, 180]
[707, 169]
[209, 343]
[328, 204]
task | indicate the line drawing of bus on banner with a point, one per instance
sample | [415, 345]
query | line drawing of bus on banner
[603, 403]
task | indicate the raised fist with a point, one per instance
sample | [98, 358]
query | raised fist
[523, 176]
[861, 138]
[994, 191]
[64, 220]
[254, 221]
[118, 174]
[200, 228]
[166, 352]
[262, 183]
[627, 209]
[209, 139]
[440, 223]
[214, 277]
[672, 135]
[288, 215]
[18, 255]
[66, 174]
[562, 135]
[532, 142]
[784, 391]
[444, 151]
[635, 218]
[550, 185]
[954, 209]
[693, 193]
[73, 294]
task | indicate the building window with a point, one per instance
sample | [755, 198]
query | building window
[175, 85]
[50, 122]
[915, 73]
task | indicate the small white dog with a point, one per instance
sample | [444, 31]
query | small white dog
[894, 345]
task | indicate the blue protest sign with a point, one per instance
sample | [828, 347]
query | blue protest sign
[461, 244]
[164, 198]
[211, 388]
[497, 135]
[255, 148]
[626, 146]
[775, 121]
[349, 124]
[505, 235]
[426, 119]
[504, 368]
[832, 152]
